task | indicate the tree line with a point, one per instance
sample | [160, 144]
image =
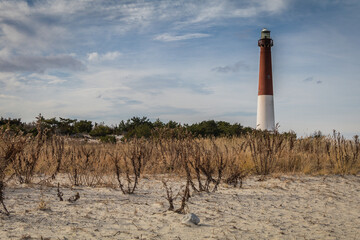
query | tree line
[135, 127]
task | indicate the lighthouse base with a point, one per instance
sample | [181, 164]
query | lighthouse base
[265, 113]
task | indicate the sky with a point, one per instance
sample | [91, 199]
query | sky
[183, 60]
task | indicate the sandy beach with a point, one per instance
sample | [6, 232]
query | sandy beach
[287, 207]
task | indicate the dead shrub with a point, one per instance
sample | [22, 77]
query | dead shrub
[266, 148]
[184, 192]
[55, 150]
[170, 154]
[291, 160]
[170, 195]
[11, 144]
[344, 154]
[208, 163]
[129, 160]
[26, 161]
[84, 164]
[60, 194]
[236, 170]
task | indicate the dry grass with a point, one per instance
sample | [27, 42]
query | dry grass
[204, 163]
[210, 160]
[10, 146]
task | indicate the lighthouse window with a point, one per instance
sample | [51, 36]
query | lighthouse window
[265, 35]
[268, 76]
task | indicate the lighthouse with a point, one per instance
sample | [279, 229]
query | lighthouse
[265, 119]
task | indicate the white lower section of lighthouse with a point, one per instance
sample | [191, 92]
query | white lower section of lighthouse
[265, 119]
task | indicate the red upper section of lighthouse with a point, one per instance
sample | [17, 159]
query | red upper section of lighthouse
[265, 70]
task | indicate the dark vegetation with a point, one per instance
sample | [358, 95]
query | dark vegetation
[136, 127]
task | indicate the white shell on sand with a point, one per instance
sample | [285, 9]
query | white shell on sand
[190, 219]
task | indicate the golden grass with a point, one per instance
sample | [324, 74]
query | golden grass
[259, 153]
[204, 163]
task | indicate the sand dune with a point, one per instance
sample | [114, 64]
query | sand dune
[288, 207]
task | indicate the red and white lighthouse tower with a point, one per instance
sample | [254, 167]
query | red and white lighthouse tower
[265, 108]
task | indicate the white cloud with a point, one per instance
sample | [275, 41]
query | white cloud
[273, 6]
[214, 11]
[8, 97]
[49, 79]
[93, 56]
[240, 65]
[109, 56]
[166, 37]
[46, 23]
[39, 63]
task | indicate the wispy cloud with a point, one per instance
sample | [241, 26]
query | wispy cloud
[166, 37]
[212, 11]
[168, 110]
[46, 78]
[40, 63]
[156, 84]
[109, 56]
[119, 101]
[238, 114]
[232, 68]
[308, 79]
[8, 97]
[55, 25]
[311, 79]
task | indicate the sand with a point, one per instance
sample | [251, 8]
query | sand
[287, 207]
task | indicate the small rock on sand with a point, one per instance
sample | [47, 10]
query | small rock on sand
[190, 219]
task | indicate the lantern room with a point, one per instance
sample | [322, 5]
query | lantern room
[265, 34]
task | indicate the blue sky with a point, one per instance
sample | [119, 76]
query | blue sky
[186, 61]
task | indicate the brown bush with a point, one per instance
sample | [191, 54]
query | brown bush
[11, 144]
[129, 160]
[205, 163]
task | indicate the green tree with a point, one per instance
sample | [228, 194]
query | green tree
[83, 126]
[205, 129]
[172, 124]
[136, 127]
[158, 124]
[15, 124]
[101, 130]
[139, 131]
[66, 126]
[108, 139]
